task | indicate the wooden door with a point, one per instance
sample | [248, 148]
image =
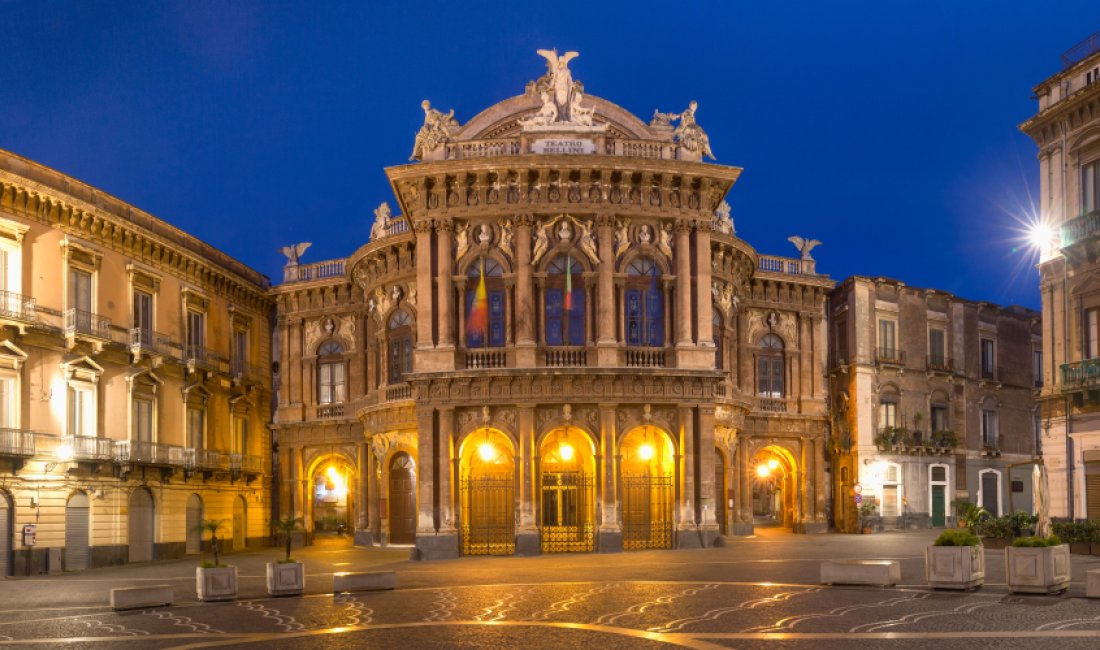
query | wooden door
[194, 525]
[402, 500]
[240, 524]
[76, 533]
[141, 526]
[939, 509]
[5, 535]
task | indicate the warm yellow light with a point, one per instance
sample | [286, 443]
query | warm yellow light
[487, 451]
[773, 464]
[566, 452]
[65, 453]
[762, 471]
[332, 474]
[645, 452]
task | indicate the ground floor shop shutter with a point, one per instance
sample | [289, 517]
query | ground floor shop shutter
[141, 526]
[5, 536]
[194, 525]
[76, 533]
[1092, 490]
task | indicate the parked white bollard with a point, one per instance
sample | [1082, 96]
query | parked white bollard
[881, 573]
[370, 581]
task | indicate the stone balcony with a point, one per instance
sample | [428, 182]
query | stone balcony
[1081, 375]
[83, 325]
[1081, 229]
[17, 310]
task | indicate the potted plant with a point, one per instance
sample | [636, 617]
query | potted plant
[1037, 565]
[956, 560]
[1022, 523]
[970, 515]
[867, 517]
[996, 532]
[286, 577]
[1078, 534]
[946, 440]
[215, 581]
[885, 439]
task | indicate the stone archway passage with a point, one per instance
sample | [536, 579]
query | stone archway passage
[402, 500]
[76, 532]
[141, 526]
[488, 495]
[567, 493]
[648, 491]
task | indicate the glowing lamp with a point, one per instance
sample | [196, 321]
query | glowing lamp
[64, 453]
[487, 451]
[331, 473]
[566, 452]
[762, 471]
[773, 464]
[645, 452]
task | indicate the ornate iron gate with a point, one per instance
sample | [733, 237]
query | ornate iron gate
[488, 516]
[567, 519]
[647, 512]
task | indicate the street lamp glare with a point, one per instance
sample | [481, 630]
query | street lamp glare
[486, 451]
[645, 452]
[762, 471]
[1040, 235]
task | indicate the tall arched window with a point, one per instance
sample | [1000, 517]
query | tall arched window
[485, 307]
[769, 367]
[716, 333]
[401, 345]
[564, 302]
[331, 374]
[644, 304]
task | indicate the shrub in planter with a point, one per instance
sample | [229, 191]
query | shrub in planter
[994, 531]
[1022, 523]
[286, 577]
[215, 581]
[1037, 565]
[956, 560]
[1078, 534]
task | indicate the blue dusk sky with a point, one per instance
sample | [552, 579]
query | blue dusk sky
[888, 130]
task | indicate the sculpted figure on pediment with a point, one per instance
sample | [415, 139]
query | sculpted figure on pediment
[723, 223]
[664, 240]
[462, 239]
[435, 132]
[587, 242]
[507, 244]
[381, 218]
[622, 236]
[542, 241]
[690, 135]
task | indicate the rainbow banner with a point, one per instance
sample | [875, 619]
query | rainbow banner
[477, 322]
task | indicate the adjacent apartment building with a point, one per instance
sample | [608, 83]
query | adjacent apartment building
[134, 381]
[932, 402]
[1067, 132]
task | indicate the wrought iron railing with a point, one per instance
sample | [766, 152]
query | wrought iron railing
[1079, 229]
[889, 356]
[198, 357]
[1082, 50]
[647, 511]
[240, 369]
[142, 452]
[15, 306]
[941, 363]
[203, 459]
[78, 321]
[645, 358]
[489, 525]
[1081, 374]
[565, 357]
[16, 442]
[142, 339]
[245, 463]
[88, 447]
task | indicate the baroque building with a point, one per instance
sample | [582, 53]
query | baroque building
[134, 381]
[1067, 132]
[559, 343]
[932, 402]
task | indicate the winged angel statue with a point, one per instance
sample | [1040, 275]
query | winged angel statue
[294, 252]
[804, 246]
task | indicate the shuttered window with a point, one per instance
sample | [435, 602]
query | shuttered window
[1092, 490]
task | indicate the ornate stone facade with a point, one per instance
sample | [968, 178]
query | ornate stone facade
[560, 326]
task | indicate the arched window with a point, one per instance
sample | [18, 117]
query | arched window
[485, 304]
[401, 345]
[769, 367]
[564, 302]
[716, 334]
[644, 304]
[331, 375]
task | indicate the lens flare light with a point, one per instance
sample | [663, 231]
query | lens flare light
[487, 451]
[645, 452]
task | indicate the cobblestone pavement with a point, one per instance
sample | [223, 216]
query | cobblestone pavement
[715, 598]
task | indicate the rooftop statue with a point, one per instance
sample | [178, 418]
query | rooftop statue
[435, 132]
[804, 246]
[561, 96]
[688, 133]
[294, 252]
[381, 217]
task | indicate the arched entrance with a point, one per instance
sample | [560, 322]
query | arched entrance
[5, 534]
[647, 488]
[76, 532]
[140, 525]
[721, 510]
[402, 499]
[774, 492]
[331, 502]
[194, 525]
[567, 494]
[240, 523]
[488, 494]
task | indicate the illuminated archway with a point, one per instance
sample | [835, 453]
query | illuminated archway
[774, 491]
[567, 495]
[331, 493]
[487, 492]
[647, 486]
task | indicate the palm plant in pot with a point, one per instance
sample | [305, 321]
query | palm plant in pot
[215, 581]
[286, 577]
[956, 560]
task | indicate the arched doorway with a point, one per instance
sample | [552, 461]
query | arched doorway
[5, 534]
[647, 488]
[240, 523]
[402, 499]
[76, 532]
[774, 494]
[140, 525]
[193, 522]
[721, 510]
[488, 494]
[567, 494]
[332, 497]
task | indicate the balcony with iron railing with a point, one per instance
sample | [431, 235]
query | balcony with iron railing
[940, 363]
[1080, 229]
[142, 452]
[239, 370]
[17, 307]
[17, 442]
[84, 323]
[1081, 375]
[245, 464]
[889, 356]
[86, 447]
[143, 340]
[197, 357]
[204, 459]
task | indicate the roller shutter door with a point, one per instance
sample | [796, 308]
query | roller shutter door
[1092, 490]
[76, 533]
[194, 525]
[141, 526]
[5, 536]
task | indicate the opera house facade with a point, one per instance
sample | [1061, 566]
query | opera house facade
[555, 342]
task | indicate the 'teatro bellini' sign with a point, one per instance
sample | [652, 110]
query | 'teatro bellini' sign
[552, 146]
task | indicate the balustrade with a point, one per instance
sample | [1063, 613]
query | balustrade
[398, 393]
[481, 359]
[645, 358]
[565, 357]
[775, 264]
[330, 411]
[771, 405]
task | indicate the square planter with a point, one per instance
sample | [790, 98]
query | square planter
[1037, 570]
[954, 567]
[1080, 548]
[217, 583]
[1095, 548]
[994, 543]
[286, 578]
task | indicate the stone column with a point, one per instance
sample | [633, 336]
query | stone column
[294, 471]
[362, 495]
[445, 455]
[688, 533]
[606, 344]
[294, 371]
[525, 298]
[424, 313]
[806, 487]
[425, 461]
[819, 484]
[682, 256]
[527, 533]
[373, 513]
[710, 494]
[284, 361]
[610, 536]
[444, 267]
[744, 471]
[703, 296]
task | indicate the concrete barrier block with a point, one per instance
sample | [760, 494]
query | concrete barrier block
[883, 573]
[1092, 583]
[138, 597]
[367, 581]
